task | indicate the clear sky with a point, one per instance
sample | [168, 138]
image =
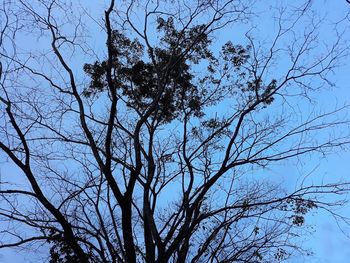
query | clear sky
[328, 241]
[331, 242]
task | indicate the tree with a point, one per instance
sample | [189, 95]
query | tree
[146, 151]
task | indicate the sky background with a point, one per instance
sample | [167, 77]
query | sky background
[330, 242]
[327, 240]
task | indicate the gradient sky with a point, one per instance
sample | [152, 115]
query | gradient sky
[329, 242]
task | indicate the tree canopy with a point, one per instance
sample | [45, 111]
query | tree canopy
[155, 144]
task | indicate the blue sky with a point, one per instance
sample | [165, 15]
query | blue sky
[329, 242]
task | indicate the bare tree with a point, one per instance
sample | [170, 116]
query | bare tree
[144, 152]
